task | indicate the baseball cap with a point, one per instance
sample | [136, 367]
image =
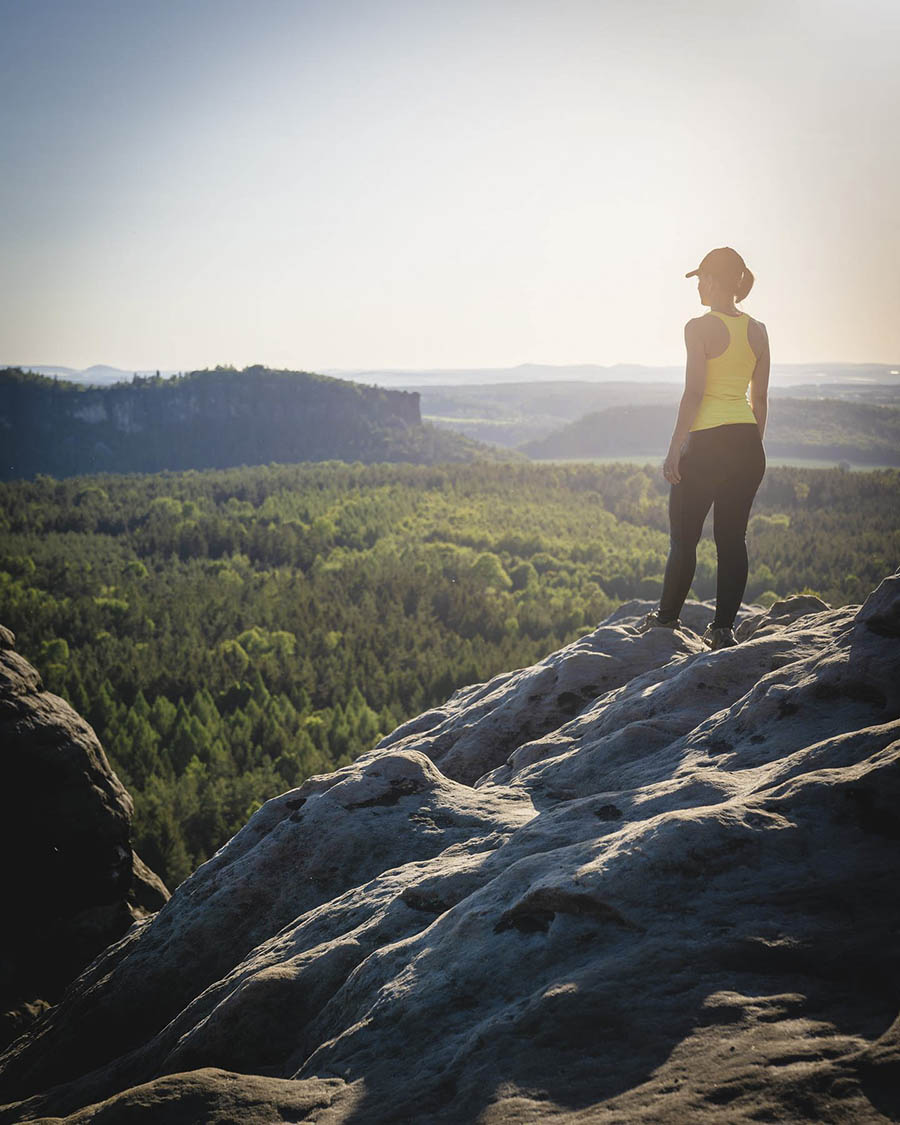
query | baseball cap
[722, 261]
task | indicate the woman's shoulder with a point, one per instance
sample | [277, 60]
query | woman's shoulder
[703, 331]
[696, 325]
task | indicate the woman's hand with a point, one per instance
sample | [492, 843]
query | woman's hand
[671, 466]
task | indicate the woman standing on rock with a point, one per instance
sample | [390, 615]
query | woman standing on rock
[716, 454]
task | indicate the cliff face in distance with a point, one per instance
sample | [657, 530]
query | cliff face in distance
[636, 882]
[208, 419]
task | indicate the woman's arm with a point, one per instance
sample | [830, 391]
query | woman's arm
[694, 386]
[759, 384]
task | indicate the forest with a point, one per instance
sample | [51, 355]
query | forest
[230, 632]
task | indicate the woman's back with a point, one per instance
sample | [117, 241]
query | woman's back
[728, 374]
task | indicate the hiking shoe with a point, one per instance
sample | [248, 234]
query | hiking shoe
[654, 621]
[719, 637]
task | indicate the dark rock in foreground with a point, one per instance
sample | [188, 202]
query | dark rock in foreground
[72, 884]
[638, 882]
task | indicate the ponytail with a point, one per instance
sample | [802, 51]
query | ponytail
[744, 285]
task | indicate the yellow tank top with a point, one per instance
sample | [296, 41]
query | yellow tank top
[727, 379]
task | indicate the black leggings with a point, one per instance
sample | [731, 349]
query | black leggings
[722, 466]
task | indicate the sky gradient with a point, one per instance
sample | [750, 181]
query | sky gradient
[340, 184]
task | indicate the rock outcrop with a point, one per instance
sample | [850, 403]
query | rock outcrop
[638, 882]
[72, 883]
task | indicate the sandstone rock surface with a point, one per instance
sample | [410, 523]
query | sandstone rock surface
[72, 884]
[638, 882]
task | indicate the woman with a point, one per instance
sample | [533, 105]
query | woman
[716, 454]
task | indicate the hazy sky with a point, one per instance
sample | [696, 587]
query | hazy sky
[343, 184]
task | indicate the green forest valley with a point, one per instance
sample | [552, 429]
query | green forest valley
[230, 632]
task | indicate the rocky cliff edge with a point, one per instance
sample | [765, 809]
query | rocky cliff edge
[72, 883]
[637, 882]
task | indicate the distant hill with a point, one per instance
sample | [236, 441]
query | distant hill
[814, 429]
[210, 419]
[789, 373]
[510, 414]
